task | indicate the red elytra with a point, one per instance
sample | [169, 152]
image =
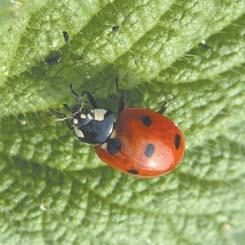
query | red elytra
[149, 144]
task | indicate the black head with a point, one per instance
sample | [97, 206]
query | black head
[92, 126]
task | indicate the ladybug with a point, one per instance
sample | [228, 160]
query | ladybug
[140, 141]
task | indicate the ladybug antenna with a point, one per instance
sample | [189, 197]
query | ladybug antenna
[121, 104]
[64, 116]
[67, 108]
[117, 85]
[63, 119]
[78, 98]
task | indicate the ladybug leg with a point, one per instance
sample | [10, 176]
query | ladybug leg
[163, 108]
[165, 104]
[69, 124]
[73, 91]
[79, 98]
[91, 99]
[66, 107]
[57, 114]
[121, 104]
[61, 115]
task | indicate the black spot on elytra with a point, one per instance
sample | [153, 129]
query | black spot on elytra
[113, 146]
[149, 150]
[147, 121]
[177, 141]
[133, 171]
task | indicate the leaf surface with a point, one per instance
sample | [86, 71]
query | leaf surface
[54, 190]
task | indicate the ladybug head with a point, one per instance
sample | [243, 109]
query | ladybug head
[89, 123]
[81, 116]
[92, 126]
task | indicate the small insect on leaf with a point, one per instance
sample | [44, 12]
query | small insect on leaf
[66, 36]
[115, 28]
[204, 46]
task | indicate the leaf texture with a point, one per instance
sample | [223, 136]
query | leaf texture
[54, 190]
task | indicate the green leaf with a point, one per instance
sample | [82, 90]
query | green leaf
[54, 189]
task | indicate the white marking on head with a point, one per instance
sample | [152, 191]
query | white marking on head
[90, 116]
[79, 133]
[75, 121]
[99, 114]
[113, 134]
[82, 116]
[104, 146]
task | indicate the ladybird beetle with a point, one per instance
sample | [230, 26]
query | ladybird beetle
[140, 141]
